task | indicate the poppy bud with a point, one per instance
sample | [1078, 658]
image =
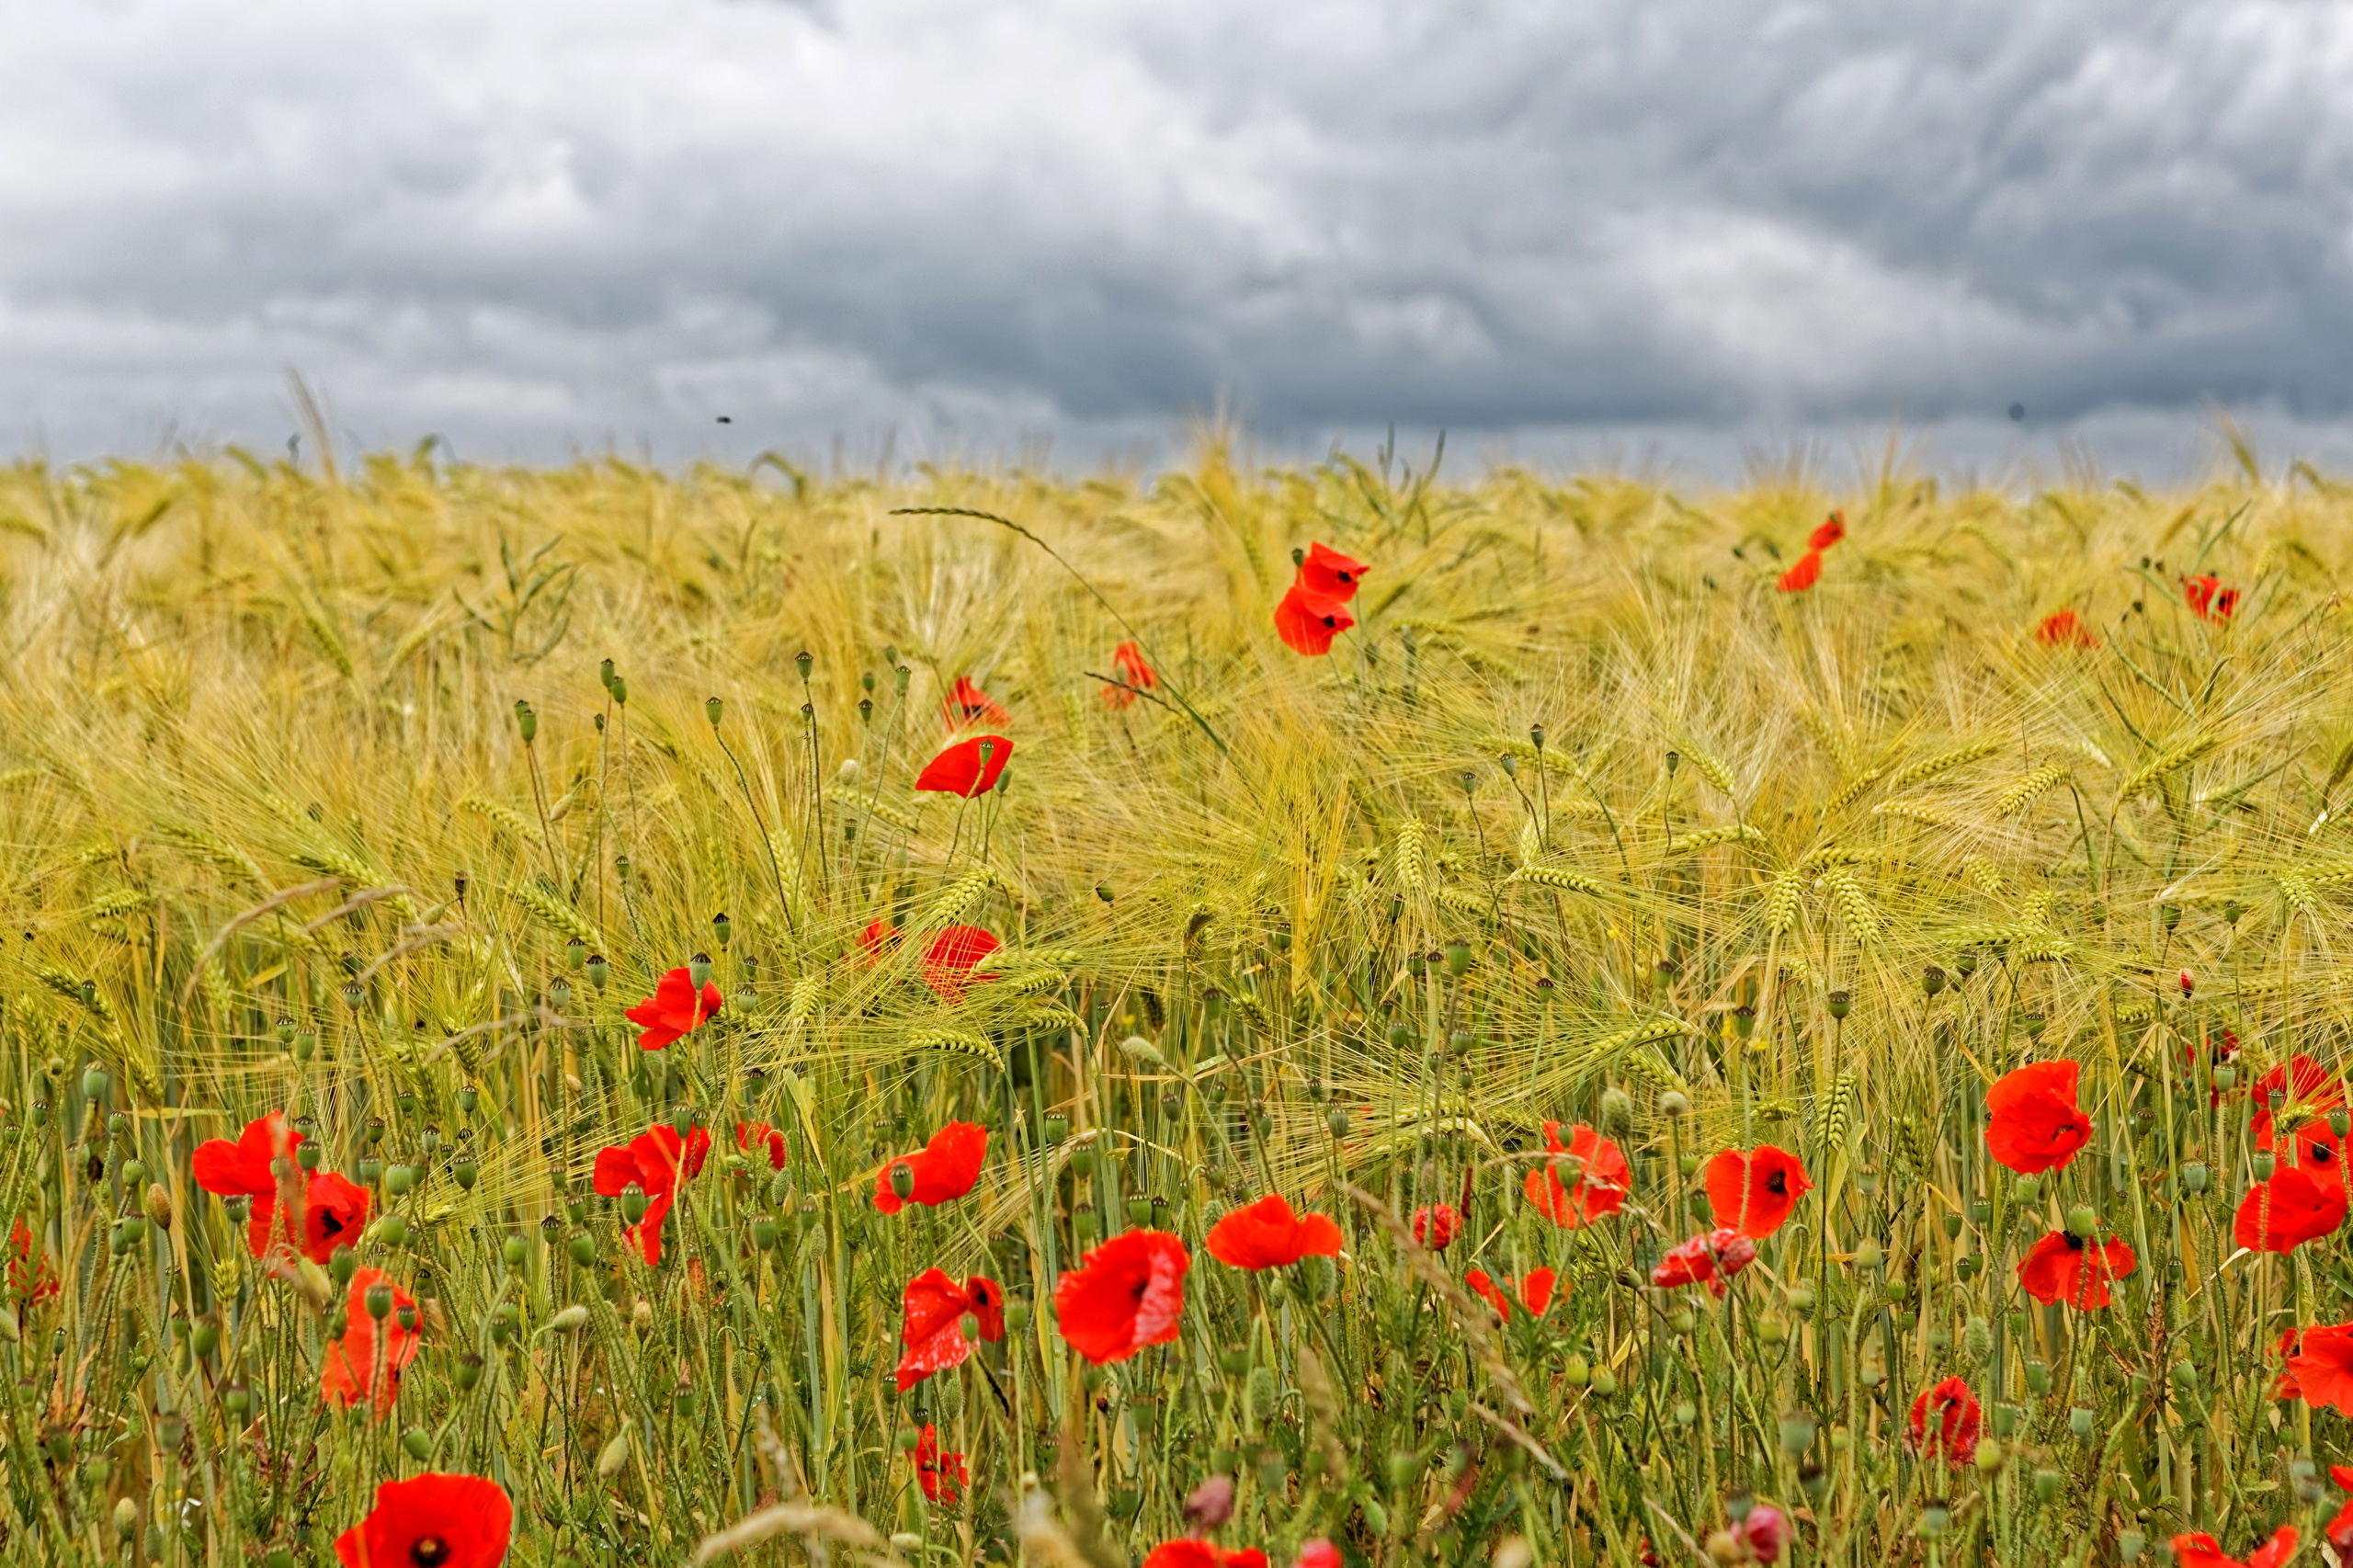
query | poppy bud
[1935, 1519]
[1616, 1110]
[515, 1251]
[417, 1441]
[2130, 1544]
[1676, 1104]
[2080, 1419]
[158, 1204]
[1797, 1432]
[571, 1320]
[1990, 1456]
[1604, 1382]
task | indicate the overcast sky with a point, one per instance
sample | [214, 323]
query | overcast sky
[535, 225]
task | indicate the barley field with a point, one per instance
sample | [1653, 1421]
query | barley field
[1304, 1015]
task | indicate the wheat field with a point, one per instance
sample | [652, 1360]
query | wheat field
[376, 796]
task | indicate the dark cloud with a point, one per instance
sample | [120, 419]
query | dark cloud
[536, 223]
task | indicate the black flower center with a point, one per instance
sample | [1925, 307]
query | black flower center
[1778, 1183]
[330, 1226]
[430, 1551]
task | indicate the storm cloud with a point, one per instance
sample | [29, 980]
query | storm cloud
[533, 226]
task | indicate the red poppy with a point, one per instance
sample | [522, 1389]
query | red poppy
[357, 1368]
[2062, 1266]
[1129, 1294]
[2297, 1205]
[1307, 623]
[944, 1169]
[933, 1309]
[2064, 628]
[1188, 1552]
[1600, 1178]
[1954, 1410]
[675, 1009]
[334, 1211]
[969, 767]
[443, 1521]
[751, 1136]
[659, 1163]
[949, 962]
[30, 1278]
[1267, 1235]
[1804, 574]
[1318, 1554]
[2322, 1367]
[1753, 1193]
[967, 704]
[2339, 1529]
[1435, 1225]
[245, 1168]
[1535, 1290]
[2034, 1124]
[1833, 530]
[1128, 659]
[2200, 1550]
[2308, 1090]
[2288, 1388]
[1710, 1260]
[878, 937]
[1329, 574]
[942, 1476]
[2208, 598]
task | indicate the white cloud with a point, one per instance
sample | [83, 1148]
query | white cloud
[536, 223]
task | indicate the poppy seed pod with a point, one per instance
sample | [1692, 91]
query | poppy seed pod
[527, 721]
[620, 690]
[158, 1204]
[379, 1300]
[1932, 979]
[1839, 1004]
[714, 710]
[699, 971]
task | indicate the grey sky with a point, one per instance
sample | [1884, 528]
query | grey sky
[531, 224]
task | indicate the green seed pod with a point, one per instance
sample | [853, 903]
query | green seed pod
[467, 1171]
[1574, 1371]
[571, 1320]
[96, 1082]
[2081, 1421]
[2265, 1163]
[1139, 1210]
[515, 1251]
[763, 1232]
[1617, 1111]
[2082, 1223]
[379, 1301]
[1839, 1004]
[392, 1230]
[1082, 1224]
[2130, 1544]
[1935, 1519]
[2027, 1189]
[468, 1372]
[417, 1441]
[236, 1400]
[1797, 1431]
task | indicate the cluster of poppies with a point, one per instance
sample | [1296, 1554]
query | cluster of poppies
[1316, 608]
[1807, 572]
[2209, 599]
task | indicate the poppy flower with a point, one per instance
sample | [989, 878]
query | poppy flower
[1318, 1554]
[1188, 1552]
[358, 1366]
[933, 1309]
[2339, 1529]
[2064, 1266]
[1535, 1290]
[943, 1170]
[2208, 598]
[246, 1168]
[2287, 1387]
[432, 1520]
[1753, 1193]
[1307, 623]
[1128, 659]
[2200, 1550]
[753, 1136]
[878, 937]
[2304, 1085]
[2033, 1122]
[675, 1010]
[1766, 1531]
[1326, 573]
[942, 1476]
[333, 1212]
[2297, 1205]
[1804, 574]
[1435, 1225]
[1944, 1421]
[969, 767]
[2064, 628]
[2322, 1367]
[1600, 1172]
[658, 1163]
[1130, 1294]
[967, 704]
[1267, 1235]
[1710, 1260]
[952, 957]
[30, 1278]
[1833, 530]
